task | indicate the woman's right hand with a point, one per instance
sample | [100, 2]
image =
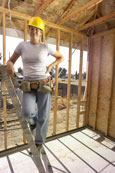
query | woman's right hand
[10, 68]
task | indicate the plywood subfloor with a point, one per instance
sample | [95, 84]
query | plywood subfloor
[81, 152]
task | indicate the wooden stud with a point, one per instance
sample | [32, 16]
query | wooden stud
[89, 78]
[56, 90]
[44, 35]
[4, 87]
[86, 7]
[25, 30]
[69, 81]
[80, 83]
[25, 39]
[4, 38]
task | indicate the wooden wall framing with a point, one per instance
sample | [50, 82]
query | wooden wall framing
[101, 106]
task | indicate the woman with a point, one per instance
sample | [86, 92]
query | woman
[34, 56]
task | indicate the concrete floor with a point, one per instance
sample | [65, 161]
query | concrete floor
[81, 152]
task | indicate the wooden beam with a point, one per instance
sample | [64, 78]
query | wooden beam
[68, 8]
[43, 7]
[3, 5]
[85, 96]
[89, 79]
[25, 30]
[52, 25]
[98, 21]
[103, 33]
[56, 90]
[25, 39]
[80, 83]
[4, 86]
[63, 14]
[69, 81]
[86, 7]
[4, 38]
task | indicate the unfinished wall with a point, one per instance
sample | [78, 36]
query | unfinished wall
[101, 91]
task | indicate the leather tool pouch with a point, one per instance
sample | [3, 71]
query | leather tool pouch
[25, 86]
[44, 88]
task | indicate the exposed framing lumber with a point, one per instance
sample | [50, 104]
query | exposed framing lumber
[68, 8]
[98, 21]
[106, 24]
[63, 14]
[25, 39]
[43, 7]
[25, 30]
[4, 87]
[44, 36]
[86, 7]
[52, 25]
[80, 82]
[95, 14]
[3, 5]
[103, 33]
[56, 90]
[90, 73]
[69, 81]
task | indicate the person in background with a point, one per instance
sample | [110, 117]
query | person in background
[36, 84]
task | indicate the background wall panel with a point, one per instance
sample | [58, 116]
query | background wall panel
[102, 88]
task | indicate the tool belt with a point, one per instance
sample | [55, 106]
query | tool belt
[43, 86]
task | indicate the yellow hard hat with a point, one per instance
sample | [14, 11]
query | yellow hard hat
[36, 22]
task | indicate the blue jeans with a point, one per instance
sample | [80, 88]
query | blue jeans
[41, 117]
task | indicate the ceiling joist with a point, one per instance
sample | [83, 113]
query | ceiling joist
[68, 8]
[97, 21]
[63, 14]
[43, 7]
[81, 10]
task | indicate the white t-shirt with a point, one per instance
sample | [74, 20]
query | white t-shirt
[34, 58]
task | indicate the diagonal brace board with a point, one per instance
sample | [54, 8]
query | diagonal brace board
[23, 122]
